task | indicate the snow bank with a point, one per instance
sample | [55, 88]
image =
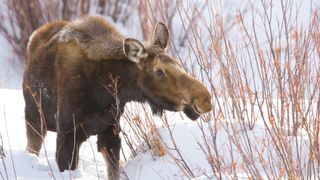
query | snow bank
[187, 135]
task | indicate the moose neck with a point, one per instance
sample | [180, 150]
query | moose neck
[124, 75]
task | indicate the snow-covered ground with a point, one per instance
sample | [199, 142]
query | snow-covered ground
[19, 164]
[188, 137]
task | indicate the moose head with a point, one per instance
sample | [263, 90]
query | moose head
[162, 79]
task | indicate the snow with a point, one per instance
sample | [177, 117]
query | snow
[188, 136]
[27, 166]
[20, 163]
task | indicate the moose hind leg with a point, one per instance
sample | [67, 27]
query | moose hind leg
[109, 144]
[36, 132]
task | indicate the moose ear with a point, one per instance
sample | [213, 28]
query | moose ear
[134, 50]
[161, 35]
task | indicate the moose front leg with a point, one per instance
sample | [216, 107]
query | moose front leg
[109, 144]
[67, 153]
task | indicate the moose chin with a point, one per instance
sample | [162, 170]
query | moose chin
[78, 71]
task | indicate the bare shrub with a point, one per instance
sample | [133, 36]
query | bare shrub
[267, 80]
[276, 82]
[2, 155]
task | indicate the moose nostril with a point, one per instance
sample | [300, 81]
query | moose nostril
[203, 104]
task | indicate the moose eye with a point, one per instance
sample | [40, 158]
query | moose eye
[160, 73]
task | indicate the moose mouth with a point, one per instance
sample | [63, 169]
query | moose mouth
[192, 112]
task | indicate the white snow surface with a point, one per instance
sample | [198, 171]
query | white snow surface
[20, 164]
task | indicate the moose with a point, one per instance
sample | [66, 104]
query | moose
[80, 74]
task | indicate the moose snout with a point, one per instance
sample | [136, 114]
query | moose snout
[203, 104]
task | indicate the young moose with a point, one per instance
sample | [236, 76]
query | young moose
[80, 74]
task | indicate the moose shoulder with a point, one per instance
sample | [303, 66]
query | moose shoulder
[80, 75]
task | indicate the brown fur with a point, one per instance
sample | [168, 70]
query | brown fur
[77, 72]
[95, 36]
